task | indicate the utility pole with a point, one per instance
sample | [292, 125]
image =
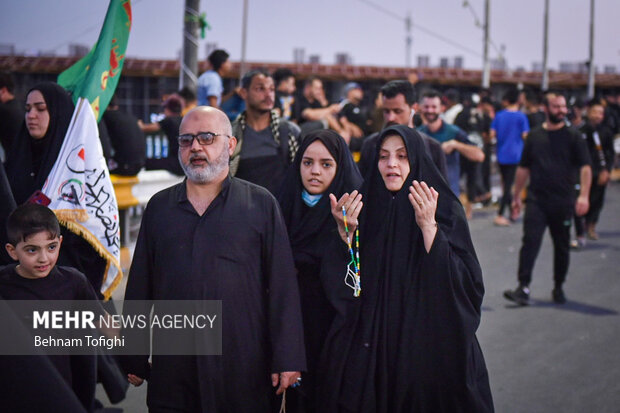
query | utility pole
[545, 74]
[486, 65]
[591, 57]
[408, 41]
[244, 35]
[189, 64]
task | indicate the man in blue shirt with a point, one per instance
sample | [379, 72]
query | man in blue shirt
[510, 127]
[210, 85]
[454, 141]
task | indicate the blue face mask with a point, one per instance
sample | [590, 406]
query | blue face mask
[309, 199]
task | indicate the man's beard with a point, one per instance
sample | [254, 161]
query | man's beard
[430, 117]
[555, 119]
[207, 173]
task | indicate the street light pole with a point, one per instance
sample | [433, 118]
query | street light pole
[189, 64]
[486, 65]
[591, 57]
[244, 35]
[545, 74]
[408, 41]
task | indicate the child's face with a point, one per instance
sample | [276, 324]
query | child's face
[37, 255]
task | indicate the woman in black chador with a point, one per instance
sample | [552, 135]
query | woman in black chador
[48, 113]
[323, 166]
[407, 343]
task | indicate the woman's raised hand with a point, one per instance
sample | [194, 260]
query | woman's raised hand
[352, 204]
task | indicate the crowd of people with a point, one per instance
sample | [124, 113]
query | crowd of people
[336, 240]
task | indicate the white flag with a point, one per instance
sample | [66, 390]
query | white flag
[82, 195]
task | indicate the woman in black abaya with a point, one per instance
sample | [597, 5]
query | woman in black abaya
[407, 343]
[48, 113]
[323, 165]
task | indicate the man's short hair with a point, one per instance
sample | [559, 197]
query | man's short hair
[7, 80]
[174, 105]
[246, 80]
[452, 95]
[311, 79]
[217, 58]
[551, 95]
[532, 96]
[511, 96]
[30, 219]
[188, 94]
[431, 94]
[593, 102]
[281, 75]
[394, 88]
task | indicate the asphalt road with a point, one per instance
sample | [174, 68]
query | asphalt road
[544, 357]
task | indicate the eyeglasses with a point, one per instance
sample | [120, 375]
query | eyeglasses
[203, 138]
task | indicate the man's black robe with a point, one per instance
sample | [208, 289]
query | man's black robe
[408, 343]
[238, 252]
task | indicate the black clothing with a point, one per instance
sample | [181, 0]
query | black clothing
[302, 104]
[170, 125]
[263, 157]
[11, 119]
[553, 157]
[537, 217]
[310, 230]
[432, 147]
[602, 155]
[237, 252]
[128, 143]
[32, 383]
[7, 205]
[536, 119]
[408, 343]
[508, 172]
[62, 283]
[29, 165]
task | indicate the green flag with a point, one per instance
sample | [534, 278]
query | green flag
[96, 75]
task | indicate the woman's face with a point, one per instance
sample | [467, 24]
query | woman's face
[37, 115]
[317, 168]
[393, 162]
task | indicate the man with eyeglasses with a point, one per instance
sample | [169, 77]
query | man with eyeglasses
[217, 237]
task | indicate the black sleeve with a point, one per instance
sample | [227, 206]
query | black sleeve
[581, 154]
[285, 322]
[104, 137]
[139, 288]
[526, 155]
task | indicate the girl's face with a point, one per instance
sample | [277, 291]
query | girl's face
[37, 115]
[393, 162]
[317, 168]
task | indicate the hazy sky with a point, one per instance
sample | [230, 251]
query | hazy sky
[327, 27]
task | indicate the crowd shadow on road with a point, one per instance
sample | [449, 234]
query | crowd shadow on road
[571, 305]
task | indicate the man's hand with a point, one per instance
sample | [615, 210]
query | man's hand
[135, 380]
[582, 205]
[516, 206]
[449, 146]
[603, 177]
[284, 379]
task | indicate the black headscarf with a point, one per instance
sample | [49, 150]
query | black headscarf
[307, 227]
[31, 160]
[408, 343]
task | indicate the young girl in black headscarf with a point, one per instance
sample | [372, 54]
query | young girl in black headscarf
[407, 343]
[323, 166]
[48, 113]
